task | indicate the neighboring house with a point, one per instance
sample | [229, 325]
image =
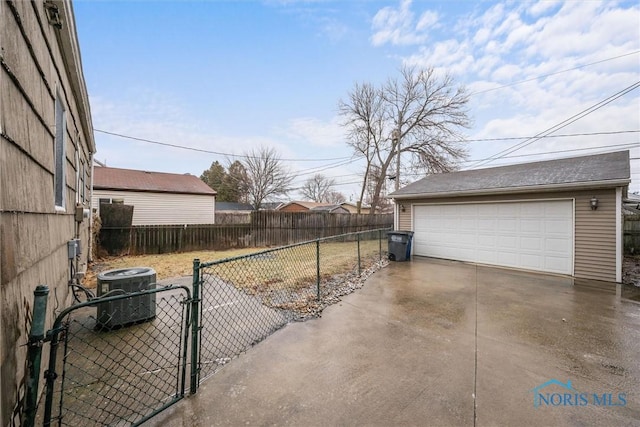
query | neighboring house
[231, 207]
[301, 206]
[330, 209]
[559, 216]
[157, 198]
[353, 207]
[46, 150]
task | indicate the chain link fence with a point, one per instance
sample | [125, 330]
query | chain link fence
[120, 359]
[247, 298]
[123, 373]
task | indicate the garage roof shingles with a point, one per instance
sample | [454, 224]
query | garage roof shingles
[569, 172]
[105, 178]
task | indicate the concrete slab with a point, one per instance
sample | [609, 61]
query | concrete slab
[439, 343]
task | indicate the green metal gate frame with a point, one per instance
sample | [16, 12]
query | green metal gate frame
[59, 334]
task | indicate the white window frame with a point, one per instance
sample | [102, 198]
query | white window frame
[60, 158]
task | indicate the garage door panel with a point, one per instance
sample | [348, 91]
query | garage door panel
[530, 235]
[558, 226]
[531, 225]
[508, 242]
[487, 224]
[487, 240]
[532, 244]
[532, 262]
[555, 264]
[507, 224]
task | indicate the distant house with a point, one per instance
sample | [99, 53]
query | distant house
[47, 147]
[302, 206]
[353, 207]
[157, 197]
[232, 207]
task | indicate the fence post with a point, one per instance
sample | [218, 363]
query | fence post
[380, 244]
[34, 352]
[318, 269]
[195, 327]
[359, 263]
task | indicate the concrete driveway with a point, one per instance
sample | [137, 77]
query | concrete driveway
[433, 342]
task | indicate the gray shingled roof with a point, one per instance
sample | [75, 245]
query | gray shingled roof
[105, 178]
[571, 172]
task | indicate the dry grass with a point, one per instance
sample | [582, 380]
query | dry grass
[291, 268]
[165, 265]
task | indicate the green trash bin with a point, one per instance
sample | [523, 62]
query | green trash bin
[399, 245]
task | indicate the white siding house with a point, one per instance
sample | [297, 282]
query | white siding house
[157, 198]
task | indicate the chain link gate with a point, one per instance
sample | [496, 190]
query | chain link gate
[123, 373]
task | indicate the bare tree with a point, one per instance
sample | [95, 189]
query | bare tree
[318, 188]
[335, 198]
[364, 116]
[420, 114]
[266, 176]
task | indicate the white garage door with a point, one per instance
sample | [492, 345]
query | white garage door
[527, 235]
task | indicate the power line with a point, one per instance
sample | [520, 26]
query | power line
[200, 150]
[625, 145]
[542, 76]
[565, 135]
[560, 125]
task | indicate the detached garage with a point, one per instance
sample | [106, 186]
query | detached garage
[559, 216]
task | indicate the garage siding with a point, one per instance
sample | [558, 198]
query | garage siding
[595, 231]
[595, 248]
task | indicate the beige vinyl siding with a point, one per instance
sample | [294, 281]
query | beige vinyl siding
[33, 248]
[595, 247]
[594, 233]
[163, 208]
[404, 219]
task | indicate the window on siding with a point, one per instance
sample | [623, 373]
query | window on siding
[59, 148]
[83, 174]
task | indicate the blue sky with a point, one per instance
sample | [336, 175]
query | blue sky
[228, 76]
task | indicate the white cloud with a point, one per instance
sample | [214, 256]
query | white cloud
[315, 132]
[493, 49]
[399, 26]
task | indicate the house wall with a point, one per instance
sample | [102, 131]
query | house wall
[37, 63]
[354, 209]
[163, 208]
[595, 230]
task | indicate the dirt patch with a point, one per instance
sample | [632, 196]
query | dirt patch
[631, 277]
[631, 270]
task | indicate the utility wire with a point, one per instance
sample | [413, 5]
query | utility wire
[565, 135]
[559, 126]
[626, 145]
[200, 150]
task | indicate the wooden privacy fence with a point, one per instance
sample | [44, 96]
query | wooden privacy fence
[631, 234]
[266, 228]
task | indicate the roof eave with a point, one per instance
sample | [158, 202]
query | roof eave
[515, 190]
[138, 190]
